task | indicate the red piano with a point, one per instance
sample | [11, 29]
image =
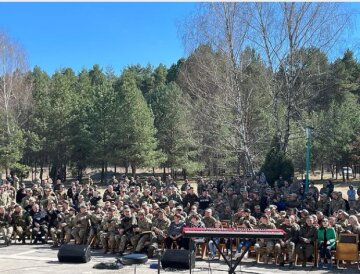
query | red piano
[233, 233]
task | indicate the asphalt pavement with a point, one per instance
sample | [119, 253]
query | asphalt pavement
[24, 259]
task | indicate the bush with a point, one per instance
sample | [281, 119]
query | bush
[276, 164]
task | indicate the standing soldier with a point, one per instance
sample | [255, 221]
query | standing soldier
[109, 227]
[5, 198]
[80, 230]
[5, 228]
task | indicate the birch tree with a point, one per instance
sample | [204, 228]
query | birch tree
[216, 77]
[282, 32]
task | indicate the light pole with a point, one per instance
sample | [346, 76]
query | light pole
[308, 145]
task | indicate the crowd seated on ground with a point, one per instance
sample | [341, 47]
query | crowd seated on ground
[143, 215]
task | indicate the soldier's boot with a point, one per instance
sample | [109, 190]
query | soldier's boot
[7, 240]
[304, 258]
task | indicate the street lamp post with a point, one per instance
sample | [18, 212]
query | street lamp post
[308, 145]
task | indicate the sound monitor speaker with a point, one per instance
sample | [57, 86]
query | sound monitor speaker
[178, 259]
[69, 253]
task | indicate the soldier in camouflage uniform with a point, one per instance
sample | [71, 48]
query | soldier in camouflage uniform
[323, 204]
[343, 219]
[21, 222]
[265, 243]
[80, 230]
[56, 230]
[159, 227]
[5, 198]
[142, 232]
[109, 230]
[307, 238]
[95, 226]
[208, 219]
[5, 228]
[68, 224]
[290, 240]
[125, 230]
[336, 203]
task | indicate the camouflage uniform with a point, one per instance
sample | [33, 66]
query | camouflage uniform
[22, 223]
[109, 227]
[80, 230]
[126, 225]
[160, 227]
[336, 205]
[68, 225]
[143, 235]
[5, 228]
[209, 221]
[5, 199]
[289, 242]
[268, 244]
[95, 226]
[305, 250]
[56, 231]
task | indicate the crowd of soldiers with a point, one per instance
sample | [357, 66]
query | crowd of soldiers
[142, 215]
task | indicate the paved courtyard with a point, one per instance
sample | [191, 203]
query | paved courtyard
[43, 259]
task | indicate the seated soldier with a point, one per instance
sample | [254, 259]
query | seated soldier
[307, 236]
[265, 243]
[125, 230]
[22, 223]
[40, 226]
[142, 232]
[289, 242]
[80, 230]
[109, 230]
[5, 227]
[68, 224]
[95, 227]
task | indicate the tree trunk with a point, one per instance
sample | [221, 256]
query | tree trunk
[41, 172]
[115, 168]
[102, 172]
[126, 170]
[164, 173]
[153, 171]
[322, 171]
[133, 170]
[184, 173]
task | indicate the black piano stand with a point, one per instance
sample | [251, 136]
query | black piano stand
[232, 266]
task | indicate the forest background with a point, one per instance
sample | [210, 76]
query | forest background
[255, 76]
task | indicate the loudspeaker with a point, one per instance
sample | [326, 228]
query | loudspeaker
[178, 259]
[74, 253]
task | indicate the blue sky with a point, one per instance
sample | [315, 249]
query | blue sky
[79, 35]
